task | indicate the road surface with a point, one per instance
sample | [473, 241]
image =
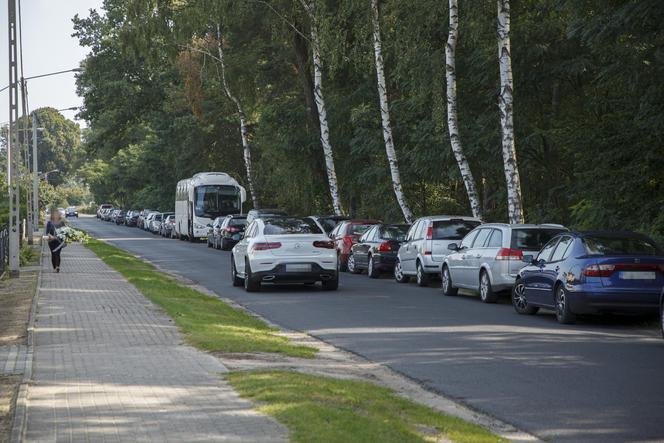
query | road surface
[600, 380]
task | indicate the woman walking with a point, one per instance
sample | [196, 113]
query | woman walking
[55, 244]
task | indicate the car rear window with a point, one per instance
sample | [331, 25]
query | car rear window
[598, 245]
[532, 239]
[238, 222]
[452, 229]
[284, 226]
[397, 233]
[358, 229]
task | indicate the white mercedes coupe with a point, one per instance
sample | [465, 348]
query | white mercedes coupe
[283, 250]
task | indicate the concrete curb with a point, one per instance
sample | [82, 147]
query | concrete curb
[19, 422]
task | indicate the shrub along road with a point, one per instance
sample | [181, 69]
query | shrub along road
[599, 380]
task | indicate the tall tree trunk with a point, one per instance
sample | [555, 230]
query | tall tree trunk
[243, 121]
[322, 113]
[385, 116]
[301, 55]
[452, 118]
[505, 105]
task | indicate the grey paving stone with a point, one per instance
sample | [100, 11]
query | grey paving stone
[110, 366]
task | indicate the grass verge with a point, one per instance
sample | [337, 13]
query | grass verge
[323, 409]
[207, 322]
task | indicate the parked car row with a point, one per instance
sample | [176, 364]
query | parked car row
[540, 266]
[152, 221]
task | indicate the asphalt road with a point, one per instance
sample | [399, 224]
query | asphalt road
[599, 380]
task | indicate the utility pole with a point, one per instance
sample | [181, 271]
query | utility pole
[35, 175]
[13, 152]
[26, 157]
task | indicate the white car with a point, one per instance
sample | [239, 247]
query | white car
[284, 250]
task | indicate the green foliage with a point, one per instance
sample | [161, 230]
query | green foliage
[589, 105]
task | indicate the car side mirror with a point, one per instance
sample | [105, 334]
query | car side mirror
[528, 258]
[209, 225]
[453, 247]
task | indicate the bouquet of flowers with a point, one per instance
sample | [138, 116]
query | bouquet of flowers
[67, 234]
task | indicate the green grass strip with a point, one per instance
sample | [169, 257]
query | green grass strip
[323, 409]
[207, 322]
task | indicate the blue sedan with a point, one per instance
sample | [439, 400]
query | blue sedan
[592, 272]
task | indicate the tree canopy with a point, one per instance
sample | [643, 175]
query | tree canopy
[588, 105]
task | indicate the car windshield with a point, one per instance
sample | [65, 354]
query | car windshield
[284, 226]
[619, 245]
[452, 229]
[215, 200]
[358, 228]
[238, 222]
[532, 239]
[396, 233]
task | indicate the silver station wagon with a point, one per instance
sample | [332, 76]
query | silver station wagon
[489, 258]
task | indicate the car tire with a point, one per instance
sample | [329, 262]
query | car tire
[520, 302]
[350, 264]
[332, 284]
[372, 272]
[341, 265]
[237, 281]
[661, 317]
[564, 315]
[399, 276]
[487, 294]
[446, 285]
[224, 245]
[209, 245]
[420, 276]
[250, 283]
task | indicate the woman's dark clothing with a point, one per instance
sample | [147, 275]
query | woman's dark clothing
[54, 245]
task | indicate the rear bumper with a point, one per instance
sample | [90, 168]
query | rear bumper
[278, 274]
[385, 261]
[599, 301]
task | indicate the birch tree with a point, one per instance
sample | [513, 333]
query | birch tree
[505, 105]
[385, 115]
[243, 120]
[452, 118]
[320, 104]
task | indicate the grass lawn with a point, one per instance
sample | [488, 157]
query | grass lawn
[323, 409]
[207, 322]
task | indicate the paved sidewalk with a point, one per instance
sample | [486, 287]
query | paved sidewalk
[110, 366]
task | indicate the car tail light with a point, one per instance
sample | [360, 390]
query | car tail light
[232, 229]
[385, 247]
[348, 240]
[265, 246]
[324, 244]
[599, 270]
[509, 254]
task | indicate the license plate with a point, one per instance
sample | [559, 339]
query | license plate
[298, 268]
[637, 275]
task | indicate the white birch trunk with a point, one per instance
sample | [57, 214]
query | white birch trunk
[505, 105]
[322, 113]
[452, 118]
[385, 116]
[243, 122]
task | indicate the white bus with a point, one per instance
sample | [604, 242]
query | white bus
[202, 198]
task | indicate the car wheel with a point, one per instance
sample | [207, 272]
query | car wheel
[341, 265]
[332, 284]
[398, 273]
[250, 284]
[563, 313]
[237, 281]
[421, 276]
[520, 302]
[209, 245]
[486, 291]
[372, 272]
[661, 317]
[224, 245]
[446, 278]
[352, 267]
